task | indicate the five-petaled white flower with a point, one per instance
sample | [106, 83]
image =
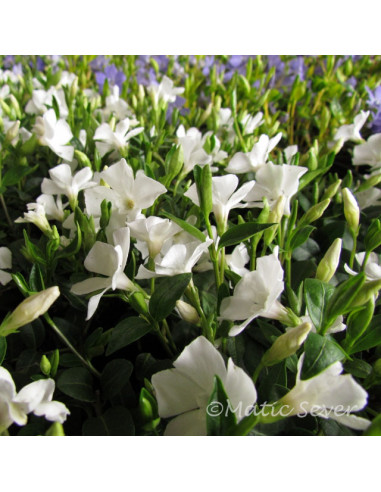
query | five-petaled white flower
[36, 215]
[179, 258]
[274, 181]
[256, 294]
[107, 140]
[127, 194]
[352, 132]
[184, 392]
[154, 231]
[244, 162]
[192, 144]
[62, 182]
[329, 395]
[56, 134]
[224, 196]
[165, 91]
[108, 260]
[35, 397]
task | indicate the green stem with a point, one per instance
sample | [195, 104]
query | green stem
[85, 362]
[4, 205]
[257, 371]
[353, 252]
[193, 297]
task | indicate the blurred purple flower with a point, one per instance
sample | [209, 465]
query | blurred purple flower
[374, 103]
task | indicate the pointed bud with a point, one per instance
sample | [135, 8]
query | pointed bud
[331, 191]
[286, 345]
[368, 292]
[351, 209]
[30, 309]
[82, 158]
[370, 183]
[13, 131]
[187, 312]
[330, 261]
[139, 303]
[315, 212]
[45, 365]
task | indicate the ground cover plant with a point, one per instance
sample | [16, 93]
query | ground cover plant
[189, 245]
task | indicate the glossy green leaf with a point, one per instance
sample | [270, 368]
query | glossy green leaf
[126, 332]
[114, 376]
[317, 295]
[320, 353]
[168, 290]
[300, 236]
[77, 382]
[242, 232]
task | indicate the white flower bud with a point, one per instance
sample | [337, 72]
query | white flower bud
[30, 309]
[351, 209]
[187, 312]
[330, 261]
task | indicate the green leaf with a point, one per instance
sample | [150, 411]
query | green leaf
[77, 382]
[219, 417]
[320, 353]
[317, 295]
[74, 246]
[114, 376]
[3, 349]
[15, 174]
[186, 226]
[370, 339]
[116, 421]
[341, 300]
[126, 332]
[167, 292]
[300, 236]
[241, 232]
[358, 368]
[357, 323]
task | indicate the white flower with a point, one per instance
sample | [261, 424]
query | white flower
[289, 152]
[372, 268]
[224, 196]
[250, 123]
[225, 123]
[115, 105]
[165, 91]
[29, 309]
[184, 392]
[351, 209]
[62, 182]
[41, 99]
[368, 153]
[216, 154]
[256, 294]
[127, 194]
[5, 262]
[368, 198]
[256, 158]
[36, 397]
[329, 395]
[179, 258]
[193, 151]
[53, 208]
[55, 134]
[352, 132]
[238, 259]
[274, 181]
[110, 261]
[154, 231]
[36, 215]
[107, 139]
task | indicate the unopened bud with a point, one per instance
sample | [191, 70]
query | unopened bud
[45, 365]
[13, 131]
[330, 261]
[370, 183]
[30, 309]
[82, 158]
[331, 191]
[351, 209]
[315, 212]
[138, 302]
[187, 312]
[74, 88]
[368, 292]
[286, 345]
